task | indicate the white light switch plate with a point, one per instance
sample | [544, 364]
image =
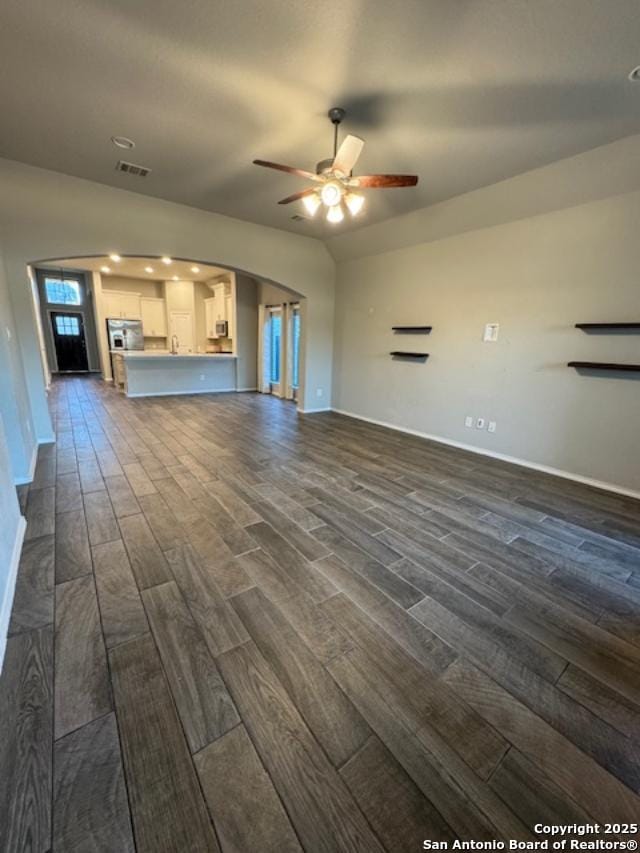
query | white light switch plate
[491, 333]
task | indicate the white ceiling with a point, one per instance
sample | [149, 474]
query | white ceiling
[135, 267]
[462, 92]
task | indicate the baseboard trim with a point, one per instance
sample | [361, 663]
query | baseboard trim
[181, 393]
[242, 390]
[9, 592]
[314, 411]
[22, 481]
[481, 451]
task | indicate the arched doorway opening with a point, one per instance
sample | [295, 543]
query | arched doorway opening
[96, 305]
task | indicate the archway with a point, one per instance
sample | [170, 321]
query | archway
[146, 295]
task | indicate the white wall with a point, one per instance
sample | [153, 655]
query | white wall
[537, 277]
[269, 294]
[44, 214]
[11, 535]
[14, 399]
[16, 458]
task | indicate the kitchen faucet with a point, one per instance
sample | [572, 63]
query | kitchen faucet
[174, 345]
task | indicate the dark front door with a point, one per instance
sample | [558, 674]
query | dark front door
[68, 337]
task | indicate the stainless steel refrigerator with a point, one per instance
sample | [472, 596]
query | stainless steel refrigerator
[125, 334]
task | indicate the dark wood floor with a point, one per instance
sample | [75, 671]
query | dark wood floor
[238, 628]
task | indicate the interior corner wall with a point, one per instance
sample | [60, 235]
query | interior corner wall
[536, 277]
[45, 214]
[247, 333]
[14, 399]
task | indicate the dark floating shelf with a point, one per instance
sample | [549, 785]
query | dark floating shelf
[416, 356]
[415, 330]
[603, 365]
[612, 326]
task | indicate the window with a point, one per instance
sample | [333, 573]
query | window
[62, 291]
[295, 341]
[276, 325]
[67, 326]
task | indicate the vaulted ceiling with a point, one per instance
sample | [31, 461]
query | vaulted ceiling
[462, 92]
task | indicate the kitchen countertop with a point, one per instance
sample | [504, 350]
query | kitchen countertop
[139, 354]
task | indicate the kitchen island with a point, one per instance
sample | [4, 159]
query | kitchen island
[156, 373]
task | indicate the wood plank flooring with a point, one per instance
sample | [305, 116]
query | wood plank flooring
[237, 628]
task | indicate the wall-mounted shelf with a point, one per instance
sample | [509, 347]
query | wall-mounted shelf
[412, 330]
[612, 326]
[603, 365]
[414, 356]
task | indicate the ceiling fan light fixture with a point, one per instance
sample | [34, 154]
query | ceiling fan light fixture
[312, 203]
[331, 193]
[335, 214]
[354, 202]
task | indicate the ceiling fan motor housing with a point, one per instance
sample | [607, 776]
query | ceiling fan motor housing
[324, 166]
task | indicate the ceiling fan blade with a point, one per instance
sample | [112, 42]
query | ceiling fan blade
[297, 196]
[289, 169]
[347, 155]
[381, 181]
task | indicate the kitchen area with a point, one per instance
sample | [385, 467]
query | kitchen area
[156, 326]
[164, 326]
[175, 334]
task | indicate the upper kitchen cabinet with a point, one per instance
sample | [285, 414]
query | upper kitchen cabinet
[219, 308]
[230, 315]
[154, 317]
[121, 304]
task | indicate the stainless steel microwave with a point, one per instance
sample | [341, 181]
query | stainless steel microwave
[221, 329]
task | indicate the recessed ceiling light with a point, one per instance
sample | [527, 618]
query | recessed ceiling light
[175, 278]
[123, 142]
[148, 269]
[166, 260]
[105, 269]
[634, 75]
[195, 269]
[115, 258]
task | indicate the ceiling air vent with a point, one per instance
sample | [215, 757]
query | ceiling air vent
[132, 169]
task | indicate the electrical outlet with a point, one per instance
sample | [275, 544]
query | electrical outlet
[202, 377]
[319, 392]
[492, 426]
[468, 421]
[480, 423]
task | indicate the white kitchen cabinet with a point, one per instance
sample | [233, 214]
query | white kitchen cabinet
[230, 316]
[217, 308]
[154, 317]
[210, 317]
[121, 304]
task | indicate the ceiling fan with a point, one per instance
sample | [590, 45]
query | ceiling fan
[336, 186]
